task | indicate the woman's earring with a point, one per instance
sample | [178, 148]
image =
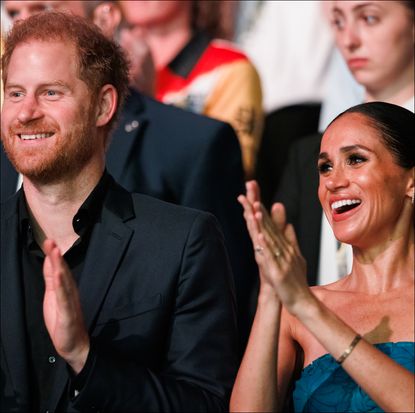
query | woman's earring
[413, 196]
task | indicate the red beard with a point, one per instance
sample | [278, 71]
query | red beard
[63, 156]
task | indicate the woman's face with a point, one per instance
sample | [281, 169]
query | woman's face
[362, 190]
[155, 12]
[376, 39]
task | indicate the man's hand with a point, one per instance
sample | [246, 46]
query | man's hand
[62, 309]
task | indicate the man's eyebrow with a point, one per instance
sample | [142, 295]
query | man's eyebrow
[57, 83]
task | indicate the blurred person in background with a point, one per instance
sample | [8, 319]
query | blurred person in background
[290, 44]
[196, 71]
[20, 10]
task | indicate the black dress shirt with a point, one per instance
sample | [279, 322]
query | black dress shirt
[42, 354]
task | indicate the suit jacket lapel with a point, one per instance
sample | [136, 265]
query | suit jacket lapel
[13, 332]
[132, 124]
[8, 176]
[109, 240]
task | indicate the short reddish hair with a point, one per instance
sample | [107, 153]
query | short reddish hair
[100, 61]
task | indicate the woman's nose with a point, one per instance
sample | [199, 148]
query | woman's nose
[337, 180]
[350, 37]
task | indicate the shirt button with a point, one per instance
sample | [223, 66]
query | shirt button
[51, 359]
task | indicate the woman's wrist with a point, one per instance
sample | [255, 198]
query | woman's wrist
[268, 301]
[268, 296]
[308, 307]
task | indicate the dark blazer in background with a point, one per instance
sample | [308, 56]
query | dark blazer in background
[190, 160]
[157, 297]
[298, 192]
[282, 127]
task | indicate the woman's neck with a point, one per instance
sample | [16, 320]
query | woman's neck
[397, 93]
[168, 39]
[385, 267]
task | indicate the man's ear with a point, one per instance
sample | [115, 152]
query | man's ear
[106, 105]
[107, 16]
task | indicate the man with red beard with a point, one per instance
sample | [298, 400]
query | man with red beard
[109, 300]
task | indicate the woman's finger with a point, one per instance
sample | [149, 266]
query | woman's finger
[279, 243]
[279, 216]
[253, 192]
[292, 238]
[250, 220]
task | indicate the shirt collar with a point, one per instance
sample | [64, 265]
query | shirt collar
[88, 213]
[186, 60]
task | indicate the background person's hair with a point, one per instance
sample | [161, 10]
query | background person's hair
[396, 126]
[410, 4]
[100, 61]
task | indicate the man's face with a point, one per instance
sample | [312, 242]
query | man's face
[47, 124]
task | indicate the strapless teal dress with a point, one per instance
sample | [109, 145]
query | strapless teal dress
[325, 387]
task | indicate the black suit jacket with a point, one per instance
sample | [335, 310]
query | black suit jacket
[187, 159]
[8, 181]
[298, 192]
[157, 297]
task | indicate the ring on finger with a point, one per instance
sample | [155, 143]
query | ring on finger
[259, 249]
[277, 252]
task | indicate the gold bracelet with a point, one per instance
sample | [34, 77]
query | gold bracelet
[349, 349]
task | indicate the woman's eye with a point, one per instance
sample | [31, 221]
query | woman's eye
[337, 23]
[355, 159]
[370, 19]
[324, 167]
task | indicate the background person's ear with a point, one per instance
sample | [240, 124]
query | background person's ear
[107, 16]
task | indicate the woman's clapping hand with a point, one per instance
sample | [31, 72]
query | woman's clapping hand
[282, 267]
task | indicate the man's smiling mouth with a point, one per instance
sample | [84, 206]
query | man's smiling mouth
[30, 137]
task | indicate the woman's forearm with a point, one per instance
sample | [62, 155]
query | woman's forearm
[255, 388]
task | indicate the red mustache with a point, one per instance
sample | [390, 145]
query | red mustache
[33, 127]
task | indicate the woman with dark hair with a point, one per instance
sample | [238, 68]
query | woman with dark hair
[376, 40]
[349, 345]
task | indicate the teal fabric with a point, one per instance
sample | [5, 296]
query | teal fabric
[325, 387]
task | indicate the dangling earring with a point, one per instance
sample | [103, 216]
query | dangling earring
[413, 196]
